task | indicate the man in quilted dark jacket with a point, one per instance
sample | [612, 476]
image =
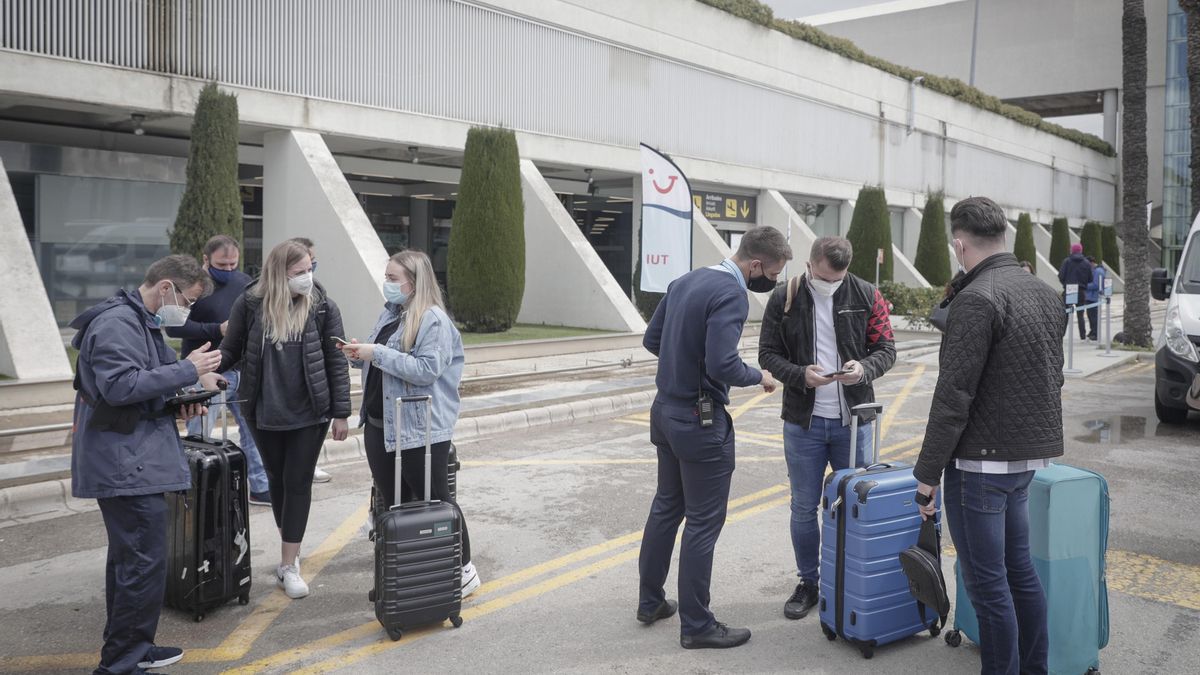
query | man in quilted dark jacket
[996, 417]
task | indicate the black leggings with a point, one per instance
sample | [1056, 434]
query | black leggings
[290, 458]
[383, 470]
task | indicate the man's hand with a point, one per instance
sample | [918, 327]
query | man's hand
[927, 510]
[340, 429]
[813, 377]
[769, 383]
[187, 412]
[854, 373]
[205, 361]
[209, 381]
[224, 326]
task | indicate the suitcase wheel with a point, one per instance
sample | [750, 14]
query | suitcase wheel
[244, 599]
[829, 634]
[197, 617]
[455, 620]
[868, 652]
[395, 633]
[1093, 670]
[934, 631]
[954, 638]
[371, 595]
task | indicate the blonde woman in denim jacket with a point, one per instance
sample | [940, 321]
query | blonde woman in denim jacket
[414, 350]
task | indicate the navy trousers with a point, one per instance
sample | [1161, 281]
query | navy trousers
[135, 578]
[695, 465]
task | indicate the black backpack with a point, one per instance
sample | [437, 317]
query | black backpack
[922, 565]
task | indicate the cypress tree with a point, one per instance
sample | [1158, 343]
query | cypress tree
[933, 255]
[871, 230]
[1023, 247]
[1112, 253]
[211, 201]
[1093, 244]
[1060, 241]
[486, 255]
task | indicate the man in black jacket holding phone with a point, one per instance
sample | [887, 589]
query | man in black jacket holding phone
[826, 336]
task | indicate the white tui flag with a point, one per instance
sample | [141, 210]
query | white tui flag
[666, 221]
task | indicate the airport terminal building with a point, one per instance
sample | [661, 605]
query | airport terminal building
[354, 113]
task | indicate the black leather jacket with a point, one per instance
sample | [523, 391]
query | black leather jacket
[999, 388]
[864, 334]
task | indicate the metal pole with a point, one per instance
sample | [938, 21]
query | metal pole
[974, 38]
[1071, 342]
[876, 271]
[1108, 327]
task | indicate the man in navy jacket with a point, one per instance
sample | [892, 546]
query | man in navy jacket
[1077, 270]
[695, 333]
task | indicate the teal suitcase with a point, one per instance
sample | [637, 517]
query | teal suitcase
[1068, 536]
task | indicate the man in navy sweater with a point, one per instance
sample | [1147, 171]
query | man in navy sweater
[207, 323]
[695, 333]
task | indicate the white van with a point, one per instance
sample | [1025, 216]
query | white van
[1177, 361]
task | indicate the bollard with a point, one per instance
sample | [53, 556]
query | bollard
[1071, 369]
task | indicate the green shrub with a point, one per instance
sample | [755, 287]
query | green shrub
[915, 303]
[486, 254]
[933, 255]
[1060, 242]
[758, 13]
[1112, 252]
[211, 203]
[1092, 241]
[1024, 247]
[870, 230]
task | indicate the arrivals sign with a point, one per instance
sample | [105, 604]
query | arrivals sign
[725, 207]
[666, 222]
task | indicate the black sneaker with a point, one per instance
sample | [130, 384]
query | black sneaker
[803, 599]
[663, 611]
[161, 657]
[719, 636]
[260, 498]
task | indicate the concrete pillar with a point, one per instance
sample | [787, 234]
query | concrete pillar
[904, 272]
[566, 283]
[775, 211]
[306, 194]
[30, 345]
[912, 232]
[845, 216]
[708, 249]
[1110, 116]
[420, 225]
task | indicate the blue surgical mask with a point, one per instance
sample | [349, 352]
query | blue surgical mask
[220, 276]
[391, 291]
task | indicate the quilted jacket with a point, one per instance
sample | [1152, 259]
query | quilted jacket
[864, 334]
[999, 389]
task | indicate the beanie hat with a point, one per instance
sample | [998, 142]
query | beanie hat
[1076, 248]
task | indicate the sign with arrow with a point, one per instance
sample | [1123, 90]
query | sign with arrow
[725, 207]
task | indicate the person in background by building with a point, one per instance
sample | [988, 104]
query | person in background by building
[319, 475]
[1094, 288]
[414, 350]
[1001, 359]
[207, 323]
[838, 324]
[1026, 266]
[126, 452]
[695, 332]
[295, 383]
[1075, 269]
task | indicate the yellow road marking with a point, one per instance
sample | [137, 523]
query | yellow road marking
[1152, 578]
[737, 412]
[901, 397]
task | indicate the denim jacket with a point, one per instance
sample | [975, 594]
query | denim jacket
[433, 367]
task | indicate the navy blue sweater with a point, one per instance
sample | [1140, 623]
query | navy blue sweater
[204, 323]
[698, 324]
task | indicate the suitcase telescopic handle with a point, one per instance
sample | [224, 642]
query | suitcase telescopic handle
[400, 401]
[856, 414]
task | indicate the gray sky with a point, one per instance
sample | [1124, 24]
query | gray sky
[794, 9]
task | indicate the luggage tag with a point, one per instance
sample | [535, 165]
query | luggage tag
[240, 541]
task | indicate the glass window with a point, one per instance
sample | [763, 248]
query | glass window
[1177, 93]
[1176, 26]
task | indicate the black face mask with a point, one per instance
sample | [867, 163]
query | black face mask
[760, 284]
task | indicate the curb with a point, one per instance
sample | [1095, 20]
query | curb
[33, 502]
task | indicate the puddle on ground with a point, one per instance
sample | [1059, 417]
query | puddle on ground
[1115, 429]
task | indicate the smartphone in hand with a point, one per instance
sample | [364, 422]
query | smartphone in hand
[835, 373]
[338, 340]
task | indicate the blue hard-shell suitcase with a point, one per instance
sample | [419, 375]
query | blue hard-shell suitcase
[868, 516]
[1068, 537]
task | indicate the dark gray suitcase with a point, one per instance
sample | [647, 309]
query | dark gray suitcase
[418, 555]
[378, 506]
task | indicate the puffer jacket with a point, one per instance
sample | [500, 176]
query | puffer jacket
[325, 369]
[124, 361]
[433, 367]
[864, 334]
[999, 390]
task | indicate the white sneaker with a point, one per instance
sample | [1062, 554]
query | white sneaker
[288, 578]
[321, 476]
[470, 579]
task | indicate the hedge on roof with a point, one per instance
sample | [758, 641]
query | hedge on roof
[752, 10]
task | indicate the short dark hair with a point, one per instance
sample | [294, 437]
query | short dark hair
[181, 270]
[980, 218]
[303, 241]
[764, 243]
[837, 251]
[220, 242]
[1092, 259]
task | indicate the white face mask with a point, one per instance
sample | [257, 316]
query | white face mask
[962, 268]
[301, 284]
[822, 287]
[172, 316]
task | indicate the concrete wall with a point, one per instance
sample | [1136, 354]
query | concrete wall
[30, 345]
[566, 283]
[774, 210]
[305, 195]
[708, 248]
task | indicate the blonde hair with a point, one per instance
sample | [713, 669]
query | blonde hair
[425, 294]
[283, 317]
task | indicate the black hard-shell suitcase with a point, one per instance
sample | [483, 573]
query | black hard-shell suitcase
[208, 535]
[378, 505]
[418, 555]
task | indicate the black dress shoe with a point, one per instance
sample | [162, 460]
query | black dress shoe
[719, 636]
[803, 599]
[663, 611]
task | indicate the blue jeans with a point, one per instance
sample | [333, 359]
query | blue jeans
[254, 464]
[989, 522]
[808, 452]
